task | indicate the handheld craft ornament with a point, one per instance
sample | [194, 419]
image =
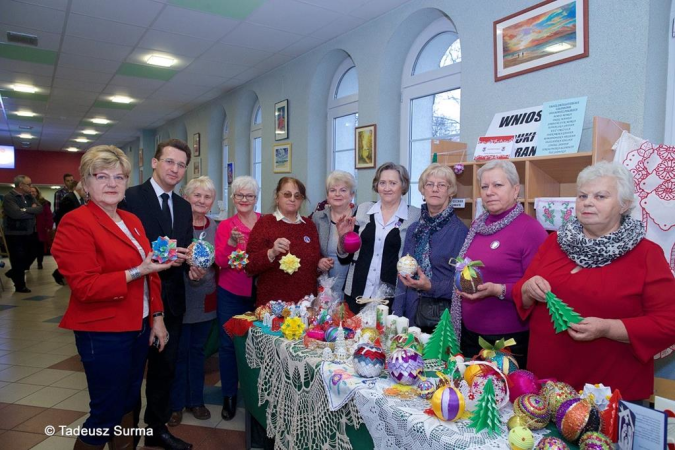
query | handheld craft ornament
[201, 253]
[562, 315]
[164, 250]
[289, 263]
[407, 265]
[238, 259]
[467, 275]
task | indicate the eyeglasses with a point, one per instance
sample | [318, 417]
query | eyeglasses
[298, 196]
[248, 197]
[171, 163]
[440, 186]
[342, 191]
[104, 178]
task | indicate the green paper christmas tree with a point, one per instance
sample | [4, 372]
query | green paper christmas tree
[434, 159]
[443, 341]
[562, 315]
[486, 415]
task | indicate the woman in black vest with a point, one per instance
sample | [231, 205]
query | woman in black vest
[382, 226]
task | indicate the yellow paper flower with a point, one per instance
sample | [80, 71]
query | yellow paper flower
[292, 328]
[289, 263]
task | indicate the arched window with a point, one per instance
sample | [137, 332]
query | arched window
[430, 98]
[669, 138]
[256, 149]
[343, 116]
[226, 159]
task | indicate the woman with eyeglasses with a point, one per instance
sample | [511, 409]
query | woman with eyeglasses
[235, 287]
[432, 241]
[115, 306]
[382, 226]
[274, 241]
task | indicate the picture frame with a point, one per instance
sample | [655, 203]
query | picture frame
[365, 146]
[141, 179]
[230, 173]
[544, 35]
[195, 145]
[283, 156]
[156, 141]
[140, 157]
[281, 120]
[196, 167]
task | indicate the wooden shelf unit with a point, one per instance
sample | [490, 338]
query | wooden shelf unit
[543, 176]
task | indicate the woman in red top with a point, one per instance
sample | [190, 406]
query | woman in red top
[600, 264]
[285, 232]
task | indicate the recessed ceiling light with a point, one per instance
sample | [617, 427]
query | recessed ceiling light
[26, 136]
[73, 149]
[25, 113]
[25, 127]
[81, 140]
[24, 88]
[100, 121]
[162, 61]
[120, 99]
[90, 132]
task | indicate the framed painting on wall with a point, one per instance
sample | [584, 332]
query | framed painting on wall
[281, 120]
[544, 35]
[365, 145]
[230, 173]
[140, 157]
[282, 158]
[195, 144]
[196, 167]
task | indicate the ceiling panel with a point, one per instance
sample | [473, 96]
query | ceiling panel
[69, 83]
[174, 43]
[341, 26]
[343, 6]
[374, 8]
[135, 12]
[83, 75]
[8, 77]
[46, 40]
[215, 68]
[260, 37]
[301, 47]
[103, 30]
[55, 4]
[32, 16]
[135, 82]
[31, 68]
[292, 16]
[232, 53]
[95, 49]
[136, 92]
[193, 23]
[232, 9]
[198, 79]
[88, 63]
[191, 90]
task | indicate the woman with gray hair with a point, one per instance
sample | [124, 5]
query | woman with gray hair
[235, 287]
[505, 239]
[601, 265]
[382, 226]
[340, 190]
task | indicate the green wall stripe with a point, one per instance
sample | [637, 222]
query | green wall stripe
[25, 95]
[15, 118]
[113, 105]
[143, 71]
[21, 53]
[239, 9]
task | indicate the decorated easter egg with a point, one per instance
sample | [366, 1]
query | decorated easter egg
[533, 409]
[551, 443]
[522, 382]
[478, 386]
[260, 311]
[406, 340]
[448, 403]
[407, 265]
[576, 417]
[201, 254]
[405, 365]
[555, 393]
[331, 333]
[521, 438]
[368, 360]
[595, 441]
[351, 242]
[426, 388]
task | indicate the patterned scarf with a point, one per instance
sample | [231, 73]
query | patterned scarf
[427, 227]
[479, 226]
[589, 253]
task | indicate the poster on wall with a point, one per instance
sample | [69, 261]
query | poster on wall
[230, 173]
[523, 125]
[561, 124]
[494, 147]
[365, 145]
[283, 158]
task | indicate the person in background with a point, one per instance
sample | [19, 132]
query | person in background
[505, 240]
[20, 216]
[200, 310]
[115, 306]
[235, 287]
[70, 202]
[283, 233]
[44, 225]
[382, 226]
[600, 264]
[68, 186]
[432, 241]
[340, 190]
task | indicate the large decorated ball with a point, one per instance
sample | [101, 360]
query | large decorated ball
[551, 443]
[471, 371]
[448, 403]
[521, 438]
[480, 380]
[260, 311]
[352, 242]
[405, 365]
[406, 340]
[505, 362]
[533, 408]
[426, 388]
[576, 417]
[555, 393]
[277, 307]
[331, 333]
[595, 441]
[468, 279]
[407, 265]
[201, 254]
[522, 382]
[369, 360]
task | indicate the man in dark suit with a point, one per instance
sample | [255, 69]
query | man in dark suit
[69, 202]
[164, 213]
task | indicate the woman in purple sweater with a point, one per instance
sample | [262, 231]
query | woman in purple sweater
[505, 239]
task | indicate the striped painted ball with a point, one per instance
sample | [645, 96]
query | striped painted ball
[533, 408]
[448, 403]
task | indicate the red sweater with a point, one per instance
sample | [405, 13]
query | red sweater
[273, 283]
[636, 288]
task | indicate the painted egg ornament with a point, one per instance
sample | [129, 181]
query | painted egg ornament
[426, 388]
[595, 441]
[467, 275]
[522, 382]
[407, 265]
[576, 417]
[406, 340]
[331, 333]
[533, 409]
[448, 403]
[478, 386]
[369, 360]
[521, 438]
[405, 366]
[351, 242]
[551, 443]
[201, 253]
[555, 393]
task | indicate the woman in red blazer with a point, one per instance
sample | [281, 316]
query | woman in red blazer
[115, 305]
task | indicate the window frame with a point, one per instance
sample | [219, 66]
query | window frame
[256, 133]
[339, 107]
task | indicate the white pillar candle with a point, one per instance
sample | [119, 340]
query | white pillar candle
[391, 319]
[415, 331]
[382, 314]
[402, 325]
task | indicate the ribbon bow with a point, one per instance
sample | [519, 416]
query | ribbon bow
[466, 267]
[365, 300]
[490, 351]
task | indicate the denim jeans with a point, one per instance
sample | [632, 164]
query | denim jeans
[113, 363]
[188, 383]
[229, 305]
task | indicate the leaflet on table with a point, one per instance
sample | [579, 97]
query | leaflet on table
[641, 428]
[561, 125]
[668, 407]
[523, 124]
[494, 147]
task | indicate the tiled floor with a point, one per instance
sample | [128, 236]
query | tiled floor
[42, 381]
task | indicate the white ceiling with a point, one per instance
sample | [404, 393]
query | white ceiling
[93, 38]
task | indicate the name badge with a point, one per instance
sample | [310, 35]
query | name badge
[307, 239]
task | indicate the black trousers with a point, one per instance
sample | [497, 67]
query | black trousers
[21, 256]
[471, 347]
